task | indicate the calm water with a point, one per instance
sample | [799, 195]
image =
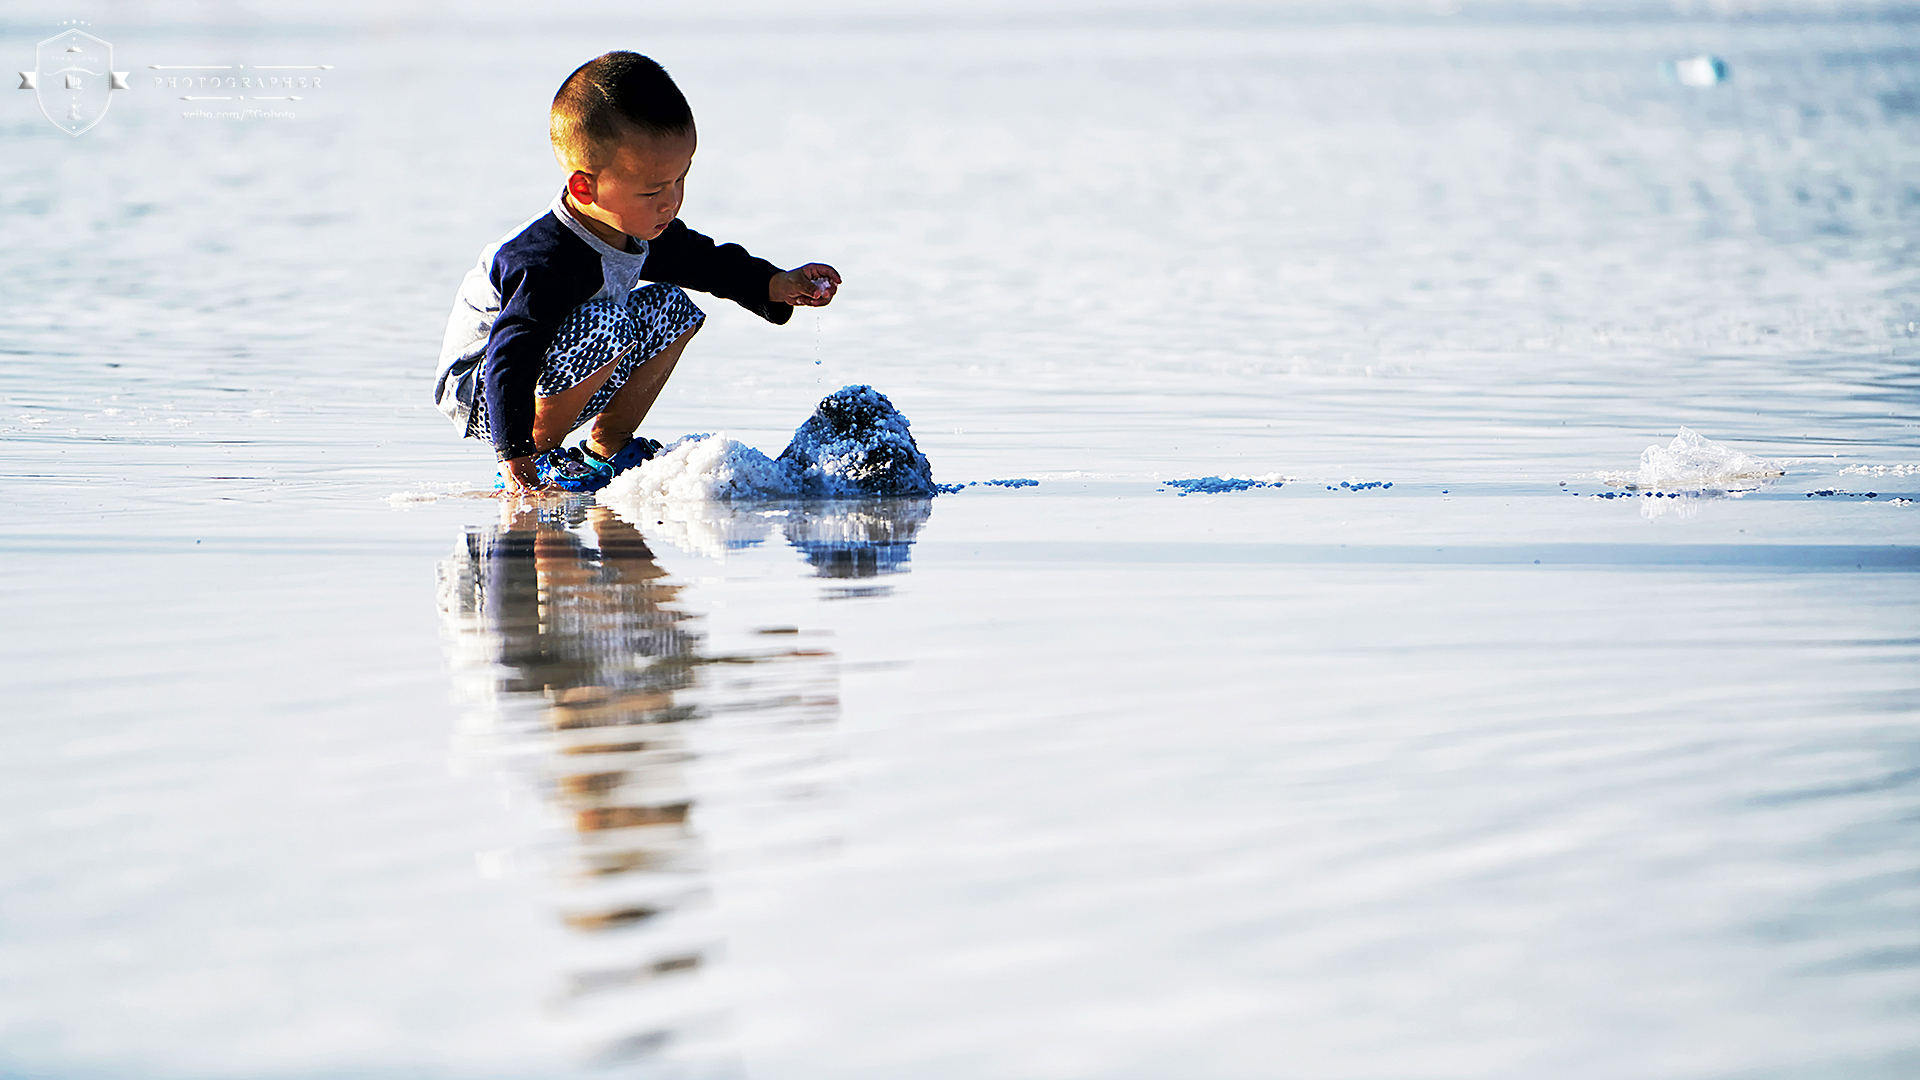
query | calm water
[1477, 775]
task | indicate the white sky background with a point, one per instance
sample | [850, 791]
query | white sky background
[28, 14]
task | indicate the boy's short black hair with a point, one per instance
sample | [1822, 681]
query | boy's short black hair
[609, 97]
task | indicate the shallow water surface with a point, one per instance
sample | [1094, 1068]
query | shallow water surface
[1329, 698]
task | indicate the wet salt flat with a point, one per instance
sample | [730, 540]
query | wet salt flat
[1344, 696]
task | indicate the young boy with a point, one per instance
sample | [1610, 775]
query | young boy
[553, 327]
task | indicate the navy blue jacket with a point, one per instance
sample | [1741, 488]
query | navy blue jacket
[512, 303]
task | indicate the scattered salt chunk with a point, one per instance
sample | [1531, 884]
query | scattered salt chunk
[1217, 485]
[1697, 71]
[1694, 461]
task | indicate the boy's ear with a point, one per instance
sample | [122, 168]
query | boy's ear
[581, 186]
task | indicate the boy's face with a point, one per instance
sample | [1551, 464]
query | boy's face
[639, 189]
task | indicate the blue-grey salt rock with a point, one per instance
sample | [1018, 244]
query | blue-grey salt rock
[857, 444]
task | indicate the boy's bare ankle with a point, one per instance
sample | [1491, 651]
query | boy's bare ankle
[607, 445]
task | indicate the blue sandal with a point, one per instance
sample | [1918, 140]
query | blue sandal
[638, 449]
[567, 469]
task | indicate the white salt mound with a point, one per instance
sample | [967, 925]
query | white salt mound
[704, 468]
[1694, 461]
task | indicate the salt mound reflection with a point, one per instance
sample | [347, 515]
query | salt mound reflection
[840, 538]
[856, 539]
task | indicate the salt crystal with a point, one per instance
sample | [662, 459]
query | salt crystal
[1694, 461]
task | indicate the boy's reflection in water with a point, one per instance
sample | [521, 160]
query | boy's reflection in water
[590, 673]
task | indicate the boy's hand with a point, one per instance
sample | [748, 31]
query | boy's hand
[522, 477]
[812, 285]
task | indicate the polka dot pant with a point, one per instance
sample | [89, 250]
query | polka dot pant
[652, 318]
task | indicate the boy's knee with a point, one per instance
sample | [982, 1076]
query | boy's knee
[663, 302]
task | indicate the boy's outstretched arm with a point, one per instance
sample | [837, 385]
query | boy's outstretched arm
[812, 285]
